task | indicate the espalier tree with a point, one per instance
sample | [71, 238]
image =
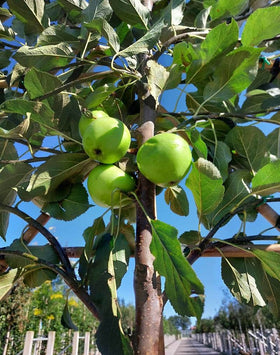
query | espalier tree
[92, 77]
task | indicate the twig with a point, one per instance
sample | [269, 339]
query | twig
[236, 252]
[266, 211]
[36, 147]
[89, 77]
[28, 236]
[215, 115]
[196, 253]
[31, 160]
[51, 239]
[269, 214]
[175, 39]
[70, 281]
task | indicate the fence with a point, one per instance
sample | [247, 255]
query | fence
[80, 345]
[252, 343]
[73, 344]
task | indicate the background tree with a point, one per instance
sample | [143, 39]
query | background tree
[206, 325]
[169, 327]
[63, 59]
[14, 317]
[179, 322]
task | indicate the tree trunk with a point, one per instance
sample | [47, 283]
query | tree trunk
[148, 337]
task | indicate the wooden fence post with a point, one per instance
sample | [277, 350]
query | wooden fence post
[28, 342]
[86, 344]
[50, 343]
[75, 343]
[6, 343]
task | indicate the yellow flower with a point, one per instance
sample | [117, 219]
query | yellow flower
[56, 295]
[37, 312]
[51, 317]
[72, 303]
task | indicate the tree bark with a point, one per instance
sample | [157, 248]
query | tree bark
[148, 337]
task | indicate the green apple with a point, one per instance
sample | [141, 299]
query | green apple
[164, 159]
[106, 184]
[106, 140]
[87, 117]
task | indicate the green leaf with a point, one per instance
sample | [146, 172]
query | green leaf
[157, 78]
[106, 30]
[29, 12]
[199, 147]
[263, 271]
[97, 9]
[17, 132]
[184, 53]
[228, 8]
[39, 111]
[196, 100]
[127, 229]
[57, 34]
[73, 7]
[99, 95]
[6, 282]
[45, 252]
[5, 57]
[236, 191]
[270, 261]
[218, 42]
[6, 33]
[221, 39]
[267, 179]
[206, 184]
[190, 237]
[57, 169]
[259, 103]
[109, 336]
[222, 157]
[110, 340]
[273, 142]
[75, 204]
[38, 83]
[7, 151]
[259, 26]
[97, 228]
[121, 255]
[36, 275]
[132, 12]
[243, 276]
[145, 43]
[180, 279]
[173, 13]
[270, 284]
[249, 147]
[5, 14]
[11, 175]
[174, 78]
[176, 197]
[235, 73]
[66, 319]
[89, 235]
[44, 58]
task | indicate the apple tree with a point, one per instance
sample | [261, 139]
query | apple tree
[86, 119]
